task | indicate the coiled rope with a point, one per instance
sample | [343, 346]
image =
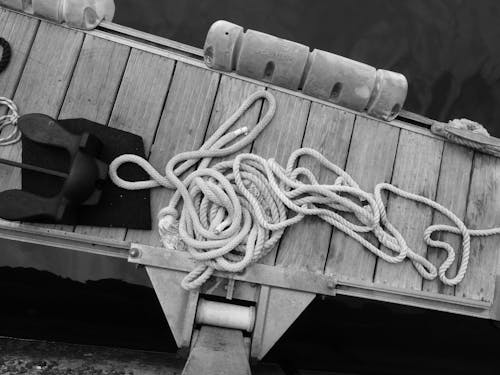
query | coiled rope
[234, 212]
[9, 120]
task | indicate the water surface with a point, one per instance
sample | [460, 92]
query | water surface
[448, 49]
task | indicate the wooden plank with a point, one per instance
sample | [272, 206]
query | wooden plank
[20, 32]
[370, 162]
[96, 79]
[231, 94]
[91, 95]
[328, 131]
[43, 84]
[42, 87]
[452, 192]
[483, 211]
[138, 109]
[182, 128]
[416, 170]
[283, 135]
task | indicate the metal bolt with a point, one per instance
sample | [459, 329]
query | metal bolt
[134, 253]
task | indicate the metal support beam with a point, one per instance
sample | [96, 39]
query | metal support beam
[218, 351]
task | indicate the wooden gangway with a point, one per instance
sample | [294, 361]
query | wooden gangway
[163, 91]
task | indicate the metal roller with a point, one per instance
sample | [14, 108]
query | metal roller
[225, 315]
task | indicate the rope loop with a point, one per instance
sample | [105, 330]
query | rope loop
[234, 212]
[9, 120]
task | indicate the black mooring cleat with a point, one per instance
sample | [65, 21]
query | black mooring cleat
[83, 181]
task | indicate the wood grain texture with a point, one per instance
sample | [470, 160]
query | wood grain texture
[416, 170]
[41, 88]
[231, 94]
[452, 192]
[96, 79]
[370, 162]
[305, 245]
[483, 211]
[182, 128]
[138, 108]
[43, 84]
[283, 135]
[91, 95]
[20, 32]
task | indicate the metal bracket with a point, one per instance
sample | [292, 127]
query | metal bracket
[283, 294]
[260, 274]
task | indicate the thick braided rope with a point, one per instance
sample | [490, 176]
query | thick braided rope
[9, 120]
[234, 212]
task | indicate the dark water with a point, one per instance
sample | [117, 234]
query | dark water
[448, 49]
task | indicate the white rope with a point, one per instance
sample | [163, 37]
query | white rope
[9, 120]
[234, 212]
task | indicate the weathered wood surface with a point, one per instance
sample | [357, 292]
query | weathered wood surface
[42, 88]
[282, 136]
[370, 161]
[483, 211]
[138, 108]
[182, 128]
[452, 192]
[20, 32]
[416, 170]
[175, 104]
[328, 131]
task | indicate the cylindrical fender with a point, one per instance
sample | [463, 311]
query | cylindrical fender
[388, 95]
[222, 45]
[82, 14]
[271, 59]
[339, 80]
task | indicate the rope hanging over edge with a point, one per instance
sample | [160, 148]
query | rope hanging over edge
[234, 212]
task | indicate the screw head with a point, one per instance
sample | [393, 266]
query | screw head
[134, 253]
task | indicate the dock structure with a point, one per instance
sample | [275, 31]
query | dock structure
[164, 92]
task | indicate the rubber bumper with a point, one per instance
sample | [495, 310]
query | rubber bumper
[271, 59]
[339, 80]
[222, 45]
[388, 96]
